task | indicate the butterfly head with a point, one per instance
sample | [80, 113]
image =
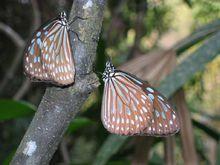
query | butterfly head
[109, 71]
[63, 19]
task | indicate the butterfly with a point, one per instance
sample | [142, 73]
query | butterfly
[131, 106]
[48, 55]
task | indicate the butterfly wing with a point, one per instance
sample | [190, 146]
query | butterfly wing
[126, 110]
[57, 55]
[164, 121]
[33, 55]
[132, 107]
[48, 56]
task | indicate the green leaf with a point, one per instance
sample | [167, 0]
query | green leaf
[119, 162]
[194, 63]
[111, 146]
[213, 25]
[10, 109]
[197, 36]
[183, 72]
[79, 123]
[9, 158]
[189, 3]
[156, 159]
[201, 149]
[210, 131]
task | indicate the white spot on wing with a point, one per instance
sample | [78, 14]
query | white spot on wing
[144, 109]
[150, 89]
[151, 97]
[30, 148]
[160, 98]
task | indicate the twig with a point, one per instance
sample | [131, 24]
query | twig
[11, 71]
[60, 105]
[139, 26]
[21, 44]
[22, 90]
[64, 151]
[36, 15]
[13, 35]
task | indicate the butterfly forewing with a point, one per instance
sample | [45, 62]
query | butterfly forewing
[49, 56]
[131, 106]
[57, 56]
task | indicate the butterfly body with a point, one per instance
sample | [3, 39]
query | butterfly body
[132, 107]
[48, 56]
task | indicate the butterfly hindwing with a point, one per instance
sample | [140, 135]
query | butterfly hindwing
[164, 121]
[33, 55]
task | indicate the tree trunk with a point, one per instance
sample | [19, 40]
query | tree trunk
[60, 105]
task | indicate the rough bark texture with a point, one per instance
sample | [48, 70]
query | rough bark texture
[60, 105]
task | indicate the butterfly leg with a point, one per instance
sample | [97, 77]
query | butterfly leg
[77, 35]
[75, 18]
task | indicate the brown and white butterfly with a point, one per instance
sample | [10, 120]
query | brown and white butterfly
[131, 106]
[48, 56]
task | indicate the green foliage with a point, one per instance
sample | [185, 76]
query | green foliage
[206, 11]
[83, 151]
[8, 158]
[79, 123]
[121, 162]
[10, 109]
[188, 2]
[193, 64]
[200, 147]
[163, 17]
[209, 131]
[111, 146]
[197, 36]
[156, 159]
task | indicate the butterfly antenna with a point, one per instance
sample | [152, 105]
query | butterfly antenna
[109, 58]
[72, 21]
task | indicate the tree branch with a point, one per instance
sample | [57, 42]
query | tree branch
[22, 90]
[13, 35]
[12, 69]
[60, 105]
[36, 15]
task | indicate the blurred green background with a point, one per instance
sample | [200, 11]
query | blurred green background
[174, 44]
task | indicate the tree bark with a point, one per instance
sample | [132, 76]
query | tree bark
[60, 105]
